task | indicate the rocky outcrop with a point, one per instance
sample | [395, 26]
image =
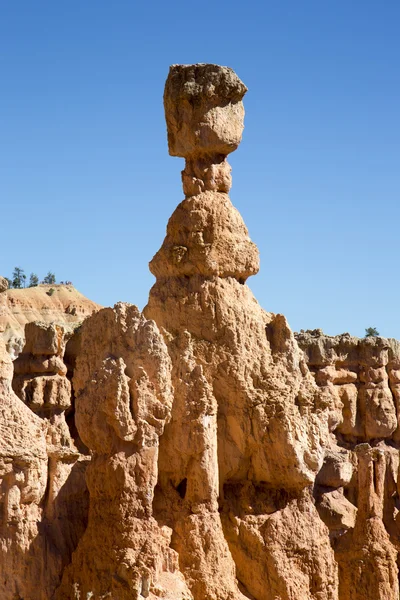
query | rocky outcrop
[43, 461]
[357, 491]
[123, 399]
[43, 492]
[23, 477]
[3, 284]
[56, 303]
[199, 450]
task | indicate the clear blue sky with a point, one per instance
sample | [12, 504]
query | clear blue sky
[87, 185]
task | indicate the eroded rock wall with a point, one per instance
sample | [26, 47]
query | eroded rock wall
[43, 495]
[56, 303]
[357, 490]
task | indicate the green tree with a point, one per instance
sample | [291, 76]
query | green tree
[371, 332]
[50, 278]
[33, 280]
[18, 278]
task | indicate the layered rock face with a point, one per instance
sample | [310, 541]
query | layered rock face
[364, 378]
[199, 450]
[43, 494]
[62, 304]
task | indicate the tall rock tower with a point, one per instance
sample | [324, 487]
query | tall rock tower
[243, 426]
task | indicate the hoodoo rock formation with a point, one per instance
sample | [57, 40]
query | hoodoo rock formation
[199, 450]
[237, 456]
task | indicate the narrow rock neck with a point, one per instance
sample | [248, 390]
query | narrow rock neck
[206, 173]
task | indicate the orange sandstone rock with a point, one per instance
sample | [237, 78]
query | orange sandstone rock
[64, 305]
[247, 417]
[224, 457]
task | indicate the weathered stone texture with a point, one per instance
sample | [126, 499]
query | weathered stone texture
[123, 398]
[3, 284]
[362, 376]
[222, 457]
[18, 307]
[203, 110]
[42, 475]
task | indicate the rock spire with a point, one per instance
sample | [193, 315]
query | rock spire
[205, 235]
[237, 435]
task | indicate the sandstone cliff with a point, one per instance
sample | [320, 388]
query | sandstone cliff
[199, 450]
[54, 303]
[364, 378]
[43, 493]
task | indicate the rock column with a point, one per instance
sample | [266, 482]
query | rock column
[242, 425]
